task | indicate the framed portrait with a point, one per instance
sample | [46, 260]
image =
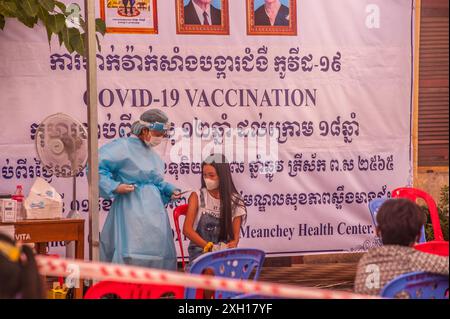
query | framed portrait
[129, 16]
[271, 17]
[202, 17]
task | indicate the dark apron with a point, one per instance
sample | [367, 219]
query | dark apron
[208, 228]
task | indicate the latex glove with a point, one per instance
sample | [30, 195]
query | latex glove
[124, 189]
[176, 195]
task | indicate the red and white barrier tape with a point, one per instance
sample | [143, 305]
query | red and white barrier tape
[103, 271]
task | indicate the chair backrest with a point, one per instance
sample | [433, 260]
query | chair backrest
[236, 263]
[417, 285]
[120, 290]
[177, 212]
[413, 194]
[435, 247]
[374, 206]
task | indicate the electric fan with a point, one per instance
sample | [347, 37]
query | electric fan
[62, 146]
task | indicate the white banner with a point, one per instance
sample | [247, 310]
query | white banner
[332, 79]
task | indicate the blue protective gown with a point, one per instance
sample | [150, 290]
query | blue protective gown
[137, 230]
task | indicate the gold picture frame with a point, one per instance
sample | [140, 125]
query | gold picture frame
[188, 21]
[256, 25]
[143, 10]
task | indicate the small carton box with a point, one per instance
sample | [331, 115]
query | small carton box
[8, 210]
[57, 292]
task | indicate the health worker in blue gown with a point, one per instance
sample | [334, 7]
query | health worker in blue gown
[137, 230]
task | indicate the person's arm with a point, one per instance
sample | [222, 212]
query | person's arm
[107, 165]
[167, 190]
[188, 227]
[237, 221]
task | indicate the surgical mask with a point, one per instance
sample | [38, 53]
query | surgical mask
[211, 184]
[154, 141]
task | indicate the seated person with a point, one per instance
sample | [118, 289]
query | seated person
[399, 227]
[19, 276]
[215, 212]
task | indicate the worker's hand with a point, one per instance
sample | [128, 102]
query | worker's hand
[175, 195]
[124, 189]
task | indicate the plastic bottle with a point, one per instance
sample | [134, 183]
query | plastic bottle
[18, 197]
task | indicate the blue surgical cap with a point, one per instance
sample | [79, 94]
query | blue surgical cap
[154, 115]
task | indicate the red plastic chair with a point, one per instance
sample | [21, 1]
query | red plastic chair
[438, 246]
[177, 212]
[121, 290]
[435, 247]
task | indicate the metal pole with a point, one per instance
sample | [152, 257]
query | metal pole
[91, 76]
[74, 194]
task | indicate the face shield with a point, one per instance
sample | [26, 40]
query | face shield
[159, 133]
[158, 127]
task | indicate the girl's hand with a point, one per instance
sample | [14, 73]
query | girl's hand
[233, 244]
[124, 189]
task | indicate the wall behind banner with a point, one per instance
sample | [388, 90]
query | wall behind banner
[339, 95]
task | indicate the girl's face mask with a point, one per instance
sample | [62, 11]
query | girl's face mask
[211, 184]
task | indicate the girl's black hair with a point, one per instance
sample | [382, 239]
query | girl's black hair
[19, 279]
[229, 196]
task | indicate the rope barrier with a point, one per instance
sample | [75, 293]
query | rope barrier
[131, 274]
